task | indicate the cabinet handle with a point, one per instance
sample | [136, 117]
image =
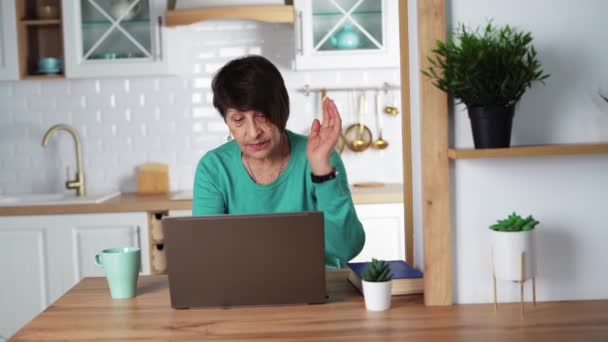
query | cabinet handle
[301, 36]
[138, 235]
[159, 55]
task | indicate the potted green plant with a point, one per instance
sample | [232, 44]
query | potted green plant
[377, 285]
[512, 237]
[488, 71]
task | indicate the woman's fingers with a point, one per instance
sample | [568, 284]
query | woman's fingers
[334, 120]
[338, 122]
[314, 129]
[330, 113]
[335, 117]
[326, 105]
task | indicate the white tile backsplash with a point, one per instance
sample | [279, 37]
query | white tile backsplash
[6, 89]
[14, 103]
[129, 121]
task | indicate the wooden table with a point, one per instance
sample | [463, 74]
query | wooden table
[87, 312]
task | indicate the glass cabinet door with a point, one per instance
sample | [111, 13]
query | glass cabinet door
[346, 33]
[116, 29]
[9, 68]
[123, 34]
[347, 25]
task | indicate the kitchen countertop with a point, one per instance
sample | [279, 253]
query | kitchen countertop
[132, 202]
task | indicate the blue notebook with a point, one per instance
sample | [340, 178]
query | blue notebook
[406, 279]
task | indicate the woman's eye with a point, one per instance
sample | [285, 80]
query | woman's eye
[237, 119]
[260, 116]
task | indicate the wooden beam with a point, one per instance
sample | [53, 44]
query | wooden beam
[267, 13]
[435, 174]
[406, 133]
[528, 151]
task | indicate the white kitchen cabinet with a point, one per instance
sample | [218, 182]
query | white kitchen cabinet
[41, 257]
[114, 38]
[180, 213]
[9, 68]
[384, 231]
[346, 34]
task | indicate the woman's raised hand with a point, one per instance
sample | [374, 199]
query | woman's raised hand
[323, 138]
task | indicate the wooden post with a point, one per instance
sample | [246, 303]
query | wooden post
[534, 290]
[435, 163]
[406, 134]
[494, 279]
[521, 282]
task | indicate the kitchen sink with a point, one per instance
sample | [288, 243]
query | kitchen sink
[53, 199]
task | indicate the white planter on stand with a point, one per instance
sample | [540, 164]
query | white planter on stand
[513, 259]
[377, 295]
[507, 249]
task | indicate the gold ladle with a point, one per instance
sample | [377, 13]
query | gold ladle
[359, 144]
[379, 143]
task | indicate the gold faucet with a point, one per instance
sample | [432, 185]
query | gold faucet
[77, 183]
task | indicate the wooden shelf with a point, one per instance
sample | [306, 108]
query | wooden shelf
[42, 77]
[528, 151]
[40, 22]
[37, 38]
[266, 13]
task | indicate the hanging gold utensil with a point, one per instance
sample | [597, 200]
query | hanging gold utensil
[379, 143]
[358, 136]
[391, 109]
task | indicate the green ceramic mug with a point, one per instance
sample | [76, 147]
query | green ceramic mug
[121, 266]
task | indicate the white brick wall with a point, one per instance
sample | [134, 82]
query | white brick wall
[125, 122]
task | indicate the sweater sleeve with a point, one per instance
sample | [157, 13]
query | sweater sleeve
[344, 235]
[207, 199]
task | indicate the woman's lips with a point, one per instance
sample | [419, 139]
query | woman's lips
[259, 146]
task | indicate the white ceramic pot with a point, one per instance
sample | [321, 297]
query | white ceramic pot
[377, 295]
[506, 254]
[118, 8]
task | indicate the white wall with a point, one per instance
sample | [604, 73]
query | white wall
[124, 122]
[566, 193]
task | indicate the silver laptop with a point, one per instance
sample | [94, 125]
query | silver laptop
[241, 260]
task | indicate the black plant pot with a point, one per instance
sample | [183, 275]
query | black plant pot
[491, 125]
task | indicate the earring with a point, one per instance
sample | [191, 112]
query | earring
[229, 137]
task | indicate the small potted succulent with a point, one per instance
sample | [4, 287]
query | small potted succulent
[377, 285]
[488, 71]
[512, 237]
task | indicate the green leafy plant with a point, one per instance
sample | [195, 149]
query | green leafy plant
[494, 67]
[515, 223]
[377, 271]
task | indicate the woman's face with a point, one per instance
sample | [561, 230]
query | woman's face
[256, 135]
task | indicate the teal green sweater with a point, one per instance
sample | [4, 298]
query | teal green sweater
[223, 186]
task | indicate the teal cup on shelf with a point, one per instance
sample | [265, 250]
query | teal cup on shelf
[49, 64]
[121, 266]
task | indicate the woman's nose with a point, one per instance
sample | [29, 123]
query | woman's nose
[253, 129]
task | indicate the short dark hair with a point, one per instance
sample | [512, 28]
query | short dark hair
[252, 83]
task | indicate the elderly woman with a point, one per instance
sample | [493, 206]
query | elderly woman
[269, 169]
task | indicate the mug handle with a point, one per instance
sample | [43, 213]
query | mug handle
[99, 260]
